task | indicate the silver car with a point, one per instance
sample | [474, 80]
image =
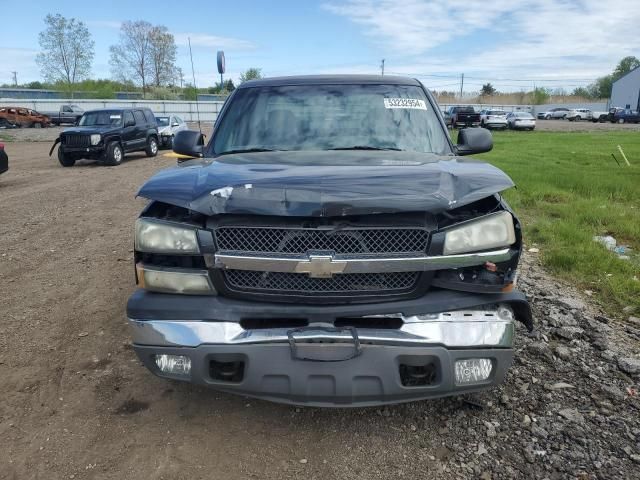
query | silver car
[521, 121]
[554, 113]
[168, 126]
[493, 119]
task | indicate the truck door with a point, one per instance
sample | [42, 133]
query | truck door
[128, 131]
[141, 129]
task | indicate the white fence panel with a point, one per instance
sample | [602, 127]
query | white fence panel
[189, 111]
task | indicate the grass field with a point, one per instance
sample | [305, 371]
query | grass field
[569, 189]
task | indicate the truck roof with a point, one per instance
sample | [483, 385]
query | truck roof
[331, 80]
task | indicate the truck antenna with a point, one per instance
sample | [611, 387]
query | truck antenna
[193, 73]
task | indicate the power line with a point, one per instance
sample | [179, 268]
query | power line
[491, 79]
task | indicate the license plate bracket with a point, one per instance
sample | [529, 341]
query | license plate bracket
[324, 344]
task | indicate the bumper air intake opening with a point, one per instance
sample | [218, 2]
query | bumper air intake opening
[381, 322]
[419, 371]
[265, 323]
[227, 368]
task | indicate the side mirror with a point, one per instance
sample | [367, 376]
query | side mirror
[189, 143]
[130, 123]
[474, 140]
[175, 124]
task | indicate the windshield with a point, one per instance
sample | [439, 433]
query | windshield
[326, 117]
[523, 115]
[104, 117]
[162, 121]
[496, 112]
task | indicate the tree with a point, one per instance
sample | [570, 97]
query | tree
[163, 56]
[602, 87]
[625, 66]
[251, 74]
[540, 95]
[487, 90]
[67, 50]
[581, 92]
[131, 58]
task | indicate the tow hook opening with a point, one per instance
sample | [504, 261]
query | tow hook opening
[227, 368]
[419, 372]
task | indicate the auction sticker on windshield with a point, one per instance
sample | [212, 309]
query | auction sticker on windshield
[114, 117]
[405, 103]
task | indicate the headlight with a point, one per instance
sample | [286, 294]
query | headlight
[156, 237]
[95, 139]
[488, 232]
[183, 281]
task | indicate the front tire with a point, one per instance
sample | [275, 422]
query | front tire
[65, 160]
[621, 120]
[114, 154]
[152, 147]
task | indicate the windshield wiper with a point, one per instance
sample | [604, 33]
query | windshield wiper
[366, 147]
[250, 150]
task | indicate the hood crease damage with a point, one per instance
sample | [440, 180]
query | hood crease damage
[325, 183]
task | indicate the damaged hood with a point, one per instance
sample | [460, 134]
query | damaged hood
[325, 183]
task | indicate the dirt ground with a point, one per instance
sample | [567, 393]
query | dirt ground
[76, 403]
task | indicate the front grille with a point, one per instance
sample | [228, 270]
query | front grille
[261, 240]
[76, 140]
[299, 283]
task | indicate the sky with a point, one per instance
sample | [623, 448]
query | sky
[515, 45]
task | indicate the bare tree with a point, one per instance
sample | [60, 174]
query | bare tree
[67, 50]
[131, 58]
[163, 56]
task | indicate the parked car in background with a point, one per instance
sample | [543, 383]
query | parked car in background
[462, 116]
[168, 126]
[554, 113]
[578, 114]
[521, 121]
[494, 119]
[24, 117]
[4, 159]
[107, 135]
[5, 124]
[67, 114]
[599, 117]
[622, 115]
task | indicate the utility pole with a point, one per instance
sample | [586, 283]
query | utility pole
[382, 66]
[15, 78]
[461, 84]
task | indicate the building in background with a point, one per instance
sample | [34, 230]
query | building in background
[626, 91]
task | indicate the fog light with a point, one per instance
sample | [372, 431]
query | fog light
[473, 370]
[174, 364]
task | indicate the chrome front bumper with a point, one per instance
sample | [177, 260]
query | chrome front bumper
[482, 328]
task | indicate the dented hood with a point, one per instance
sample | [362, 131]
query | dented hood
[325, 183]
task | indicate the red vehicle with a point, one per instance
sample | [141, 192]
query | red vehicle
[25, 117]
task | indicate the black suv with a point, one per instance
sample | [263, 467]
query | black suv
[106, 135]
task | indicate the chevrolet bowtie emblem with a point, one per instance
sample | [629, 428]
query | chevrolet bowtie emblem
[321, 266]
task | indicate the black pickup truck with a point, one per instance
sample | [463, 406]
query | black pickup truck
[462, 116]
[107, 135]
[329, 246]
